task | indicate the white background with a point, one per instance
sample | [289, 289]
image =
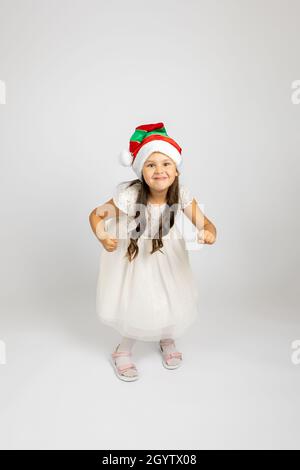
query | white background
[80, 76]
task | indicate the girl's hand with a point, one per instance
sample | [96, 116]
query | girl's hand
[108, 241]
[205, 236]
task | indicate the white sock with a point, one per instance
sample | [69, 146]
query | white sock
[126, 344]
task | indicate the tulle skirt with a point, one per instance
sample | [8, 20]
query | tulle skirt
[155, 296]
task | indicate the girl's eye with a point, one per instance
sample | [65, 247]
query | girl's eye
[151, 164]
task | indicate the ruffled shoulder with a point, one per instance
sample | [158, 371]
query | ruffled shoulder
[125, 196]
[185, 196]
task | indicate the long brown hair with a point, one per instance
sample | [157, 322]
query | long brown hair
[166, 219]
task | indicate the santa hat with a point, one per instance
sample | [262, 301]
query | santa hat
[146, 139]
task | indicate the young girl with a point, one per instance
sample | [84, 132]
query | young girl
[146, 289]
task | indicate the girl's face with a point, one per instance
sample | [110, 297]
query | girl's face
[159, 171]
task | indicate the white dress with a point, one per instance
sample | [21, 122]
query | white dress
[154, 296]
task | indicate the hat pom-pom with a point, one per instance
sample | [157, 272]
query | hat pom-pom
[125, 158]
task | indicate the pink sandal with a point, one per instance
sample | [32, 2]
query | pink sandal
[167, 356]
[122, 368]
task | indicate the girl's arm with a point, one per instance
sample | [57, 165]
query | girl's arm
[100, 214]
[97, 221]
[206, 228]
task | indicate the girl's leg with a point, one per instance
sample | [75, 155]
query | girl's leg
[126, 344]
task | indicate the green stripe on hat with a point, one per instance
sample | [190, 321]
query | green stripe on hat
[139, 134]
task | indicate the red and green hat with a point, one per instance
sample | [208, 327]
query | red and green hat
[146, 139]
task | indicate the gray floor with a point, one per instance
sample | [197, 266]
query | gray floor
[237, 388]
